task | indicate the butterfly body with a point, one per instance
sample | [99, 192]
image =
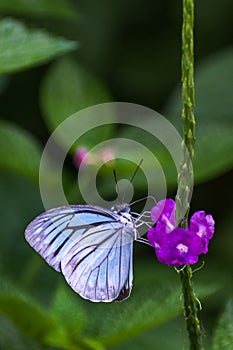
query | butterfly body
[91, 246]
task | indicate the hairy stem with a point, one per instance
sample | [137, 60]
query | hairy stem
[184, 189]
[185, 176]
[191, 306]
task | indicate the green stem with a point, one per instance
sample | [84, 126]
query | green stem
[187, 65]
[184, 188]
[191, 309]
[188, 76]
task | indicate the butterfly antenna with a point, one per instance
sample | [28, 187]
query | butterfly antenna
[144, 198]
[115, 179]
[133, 176]
[135, 171]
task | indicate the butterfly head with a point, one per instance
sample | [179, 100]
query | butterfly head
[121, 208]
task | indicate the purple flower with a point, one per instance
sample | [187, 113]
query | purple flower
[164, 214]
[203, 226]
[178, 246]
[80, 154]
[84, 157]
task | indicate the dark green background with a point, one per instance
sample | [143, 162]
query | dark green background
[132, 50]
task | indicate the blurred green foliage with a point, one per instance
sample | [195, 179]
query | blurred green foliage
[223, 337]
[21, 48]
[111, 51]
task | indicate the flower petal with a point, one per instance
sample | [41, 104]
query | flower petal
[179, 246]
[164, 214]
[203, 226]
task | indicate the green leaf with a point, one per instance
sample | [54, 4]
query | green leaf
[152, 303]
[213, 82]
[214, 142]
[72, 317]
[223, 337]
[19, 150]
[213, 151]
[24, 312]
[66, 306]
[58, 9]
[67, 89]
[11, 338]
[19, 203]
[29, 318]
[163, 337]
[34, 323]
[115, 323]
[21, 47]
[213, 88]
[149, 308]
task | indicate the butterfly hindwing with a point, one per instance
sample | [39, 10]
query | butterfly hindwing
[91, 246]
[101, 269]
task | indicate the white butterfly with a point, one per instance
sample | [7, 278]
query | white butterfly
[91, 246]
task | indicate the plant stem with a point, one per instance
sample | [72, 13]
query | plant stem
[190, 309]
[184, 190]
[188, 76]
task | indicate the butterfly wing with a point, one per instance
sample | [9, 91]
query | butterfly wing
[90, 246]
[99, 265]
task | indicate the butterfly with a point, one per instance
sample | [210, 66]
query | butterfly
[91, 246]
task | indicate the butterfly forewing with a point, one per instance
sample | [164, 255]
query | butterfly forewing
[91, 246]
[52, 232]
